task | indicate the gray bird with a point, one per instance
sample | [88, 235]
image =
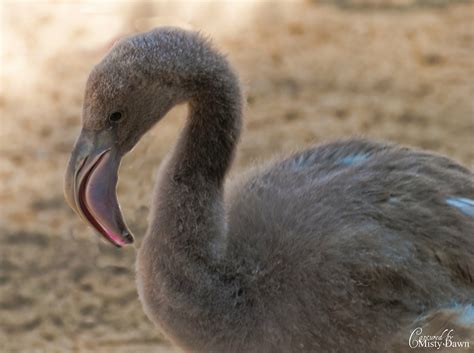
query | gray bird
[338, 248]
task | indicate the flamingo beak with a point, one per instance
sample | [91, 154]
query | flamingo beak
[91, 182]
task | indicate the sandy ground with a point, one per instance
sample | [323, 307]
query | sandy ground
[313, 71]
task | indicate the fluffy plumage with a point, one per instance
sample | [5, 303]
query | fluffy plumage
[334, 249]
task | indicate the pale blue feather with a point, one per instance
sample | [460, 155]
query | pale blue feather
[353, 159]
[467, 316]
[463, 204]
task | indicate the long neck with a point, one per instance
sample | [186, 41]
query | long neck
[206, 147]
[189, 215]
[183, 267]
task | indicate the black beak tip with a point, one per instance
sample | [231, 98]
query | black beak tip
[128, 237]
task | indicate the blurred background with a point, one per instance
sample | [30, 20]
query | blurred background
[312, 71]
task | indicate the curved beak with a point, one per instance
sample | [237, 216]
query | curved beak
[91, 182]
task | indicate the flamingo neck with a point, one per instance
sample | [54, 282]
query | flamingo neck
[189, 215]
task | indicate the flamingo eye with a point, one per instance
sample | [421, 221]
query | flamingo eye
[115, 117]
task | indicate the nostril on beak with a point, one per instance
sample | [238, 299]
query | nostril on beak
[80, 163]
